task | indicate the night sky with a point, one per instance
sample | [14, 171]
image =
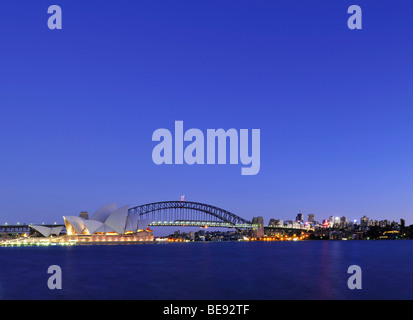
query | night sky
[79, 105]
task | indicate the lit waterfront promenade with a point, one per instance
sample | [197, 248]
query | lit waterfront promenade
[76, 240]
[33, 241]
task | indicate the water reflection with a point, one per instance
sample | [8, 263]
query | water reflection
[226, 270]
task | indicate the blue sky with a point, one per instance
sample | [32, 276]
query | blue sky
[79, 105]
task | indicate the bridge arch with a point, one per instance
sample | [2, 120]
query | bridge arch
[187, 213]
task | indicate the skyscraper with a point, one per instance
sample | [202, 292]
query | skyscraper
[343, 222]
[364, 221]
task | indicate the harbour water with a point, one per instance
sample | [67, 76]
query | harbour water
[211, 270]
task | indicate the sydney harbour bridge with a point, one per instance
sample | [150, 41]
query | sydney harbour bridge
[192, 214]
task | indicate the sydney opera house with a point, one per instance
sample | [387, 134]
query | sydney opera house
[108, 224]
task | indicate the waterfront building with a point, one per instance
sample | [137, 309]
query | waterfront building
[108, 221]
[191, 235]
[48, 231]
[258, 230]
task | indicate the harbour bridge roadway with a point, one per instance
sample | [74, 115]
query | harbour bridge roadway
[194, 214]
[14, 228]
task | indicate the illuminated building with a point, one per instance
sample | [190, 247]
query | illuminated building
[258, 230]
[48, 231]
[364, 221]
[109, 224]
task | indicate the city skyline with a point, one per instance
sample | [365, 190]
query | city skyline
[333, 106]
[300, 218]
[284, 217]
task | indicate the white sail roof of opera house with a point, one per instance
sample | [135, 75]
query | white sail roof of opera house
[117, 220]
[47, 231]
[74, 225]
[93, 226]
[103, 213]
[109, 218]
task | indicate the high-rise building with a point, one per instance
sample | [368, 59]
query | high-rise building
[258, 230]
[310, 217]
[331, 221]
[275, 223]
[383, 223]
[364, 221]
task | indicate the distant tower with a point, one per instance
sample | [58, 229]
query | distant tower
[84, 215]
[364, 221]
[310, 217]
[259, 231]
[299, 217]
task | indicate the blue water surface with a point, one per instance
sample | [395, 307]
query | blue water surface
[213, 270]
